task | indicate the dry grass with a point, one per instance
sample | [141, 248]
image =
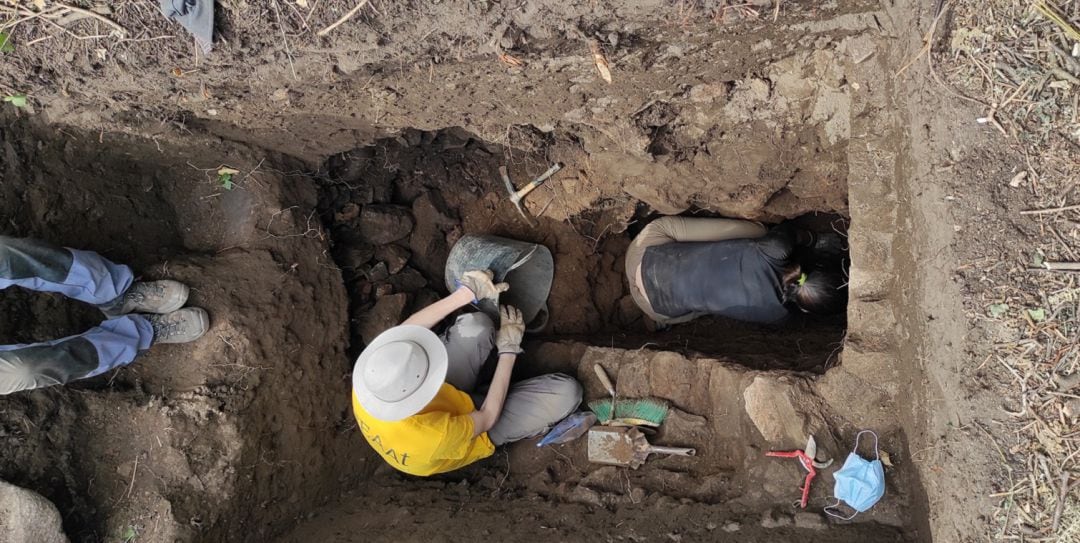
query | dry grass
[1019, 63]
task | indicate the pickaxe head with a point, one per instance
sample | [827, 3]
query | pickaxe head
[517, 195]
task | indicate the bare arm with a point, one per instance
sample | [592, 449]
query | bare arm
[488, 414]
[433, 314]
[688, 229]
[472, 286]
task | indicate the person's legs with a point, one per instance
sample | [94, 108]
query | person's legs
[468, 344]
[114, 343]
[535, 405]
[85, 276]
[81, 275]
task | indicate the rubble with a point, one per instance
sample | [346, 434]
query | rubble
[381, 223]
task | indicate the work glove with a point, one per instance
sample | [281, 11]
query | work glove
[481, 284]
[508, 340]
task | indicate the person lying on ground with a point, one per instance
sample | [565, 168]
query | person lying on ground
[140, 314]
[416, 396]
[681, 268]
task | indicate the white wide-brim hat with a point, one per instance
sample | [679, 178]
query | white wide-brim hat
[400, 372]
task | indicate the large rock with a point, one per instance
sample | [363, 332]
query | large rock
[387, 313]
[26, 516]
[769, 404]
[395, 257]
[409, 280]
[381, 224]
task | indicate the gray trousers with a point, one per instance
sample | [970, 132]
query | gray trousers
[532, 406]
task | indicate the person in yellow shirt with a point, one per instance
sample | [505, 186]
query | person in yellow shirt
[415, 393]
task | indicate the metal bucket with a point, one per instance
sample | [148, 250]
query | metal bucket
[527, 267]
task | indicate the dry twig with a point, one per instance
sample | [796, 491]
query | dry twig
[346, 17]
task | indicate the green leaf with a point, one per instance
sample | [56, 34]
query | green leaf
[1037, 314]
[1038, 260]
[17, 100]
[998, 310]
[129, 535]
[7, 45]
[226, 180]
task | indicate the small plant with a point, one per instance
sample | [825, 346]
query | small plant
[998, 310]
[17, 100]
[6, 45]
[225, 177]
[129, 535]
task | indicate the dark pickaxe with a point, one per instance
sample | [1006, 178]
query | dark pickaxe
[516, 195]
[808, 462]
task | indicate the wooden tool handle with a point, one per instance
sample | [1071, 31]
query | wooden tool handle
[537, 182]
[604, 380]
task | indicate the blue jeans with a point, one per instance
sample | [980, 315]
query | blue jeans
[81, 275]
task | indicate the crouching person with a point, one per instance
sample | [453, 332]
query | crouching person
[415, 394]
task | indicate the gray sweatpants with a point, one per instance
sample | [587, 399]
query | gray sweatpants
[532, 406]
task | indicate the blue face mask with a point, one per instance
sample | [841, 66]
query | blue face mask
[860, 483]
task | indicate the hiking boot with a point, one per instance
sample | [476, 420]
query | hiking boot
[182, 326]
[159, 297]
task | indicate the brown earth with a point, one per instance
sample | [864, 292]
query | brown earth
[247, 435]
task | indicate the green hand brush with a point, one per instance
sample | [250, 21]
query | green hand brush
[630, 411]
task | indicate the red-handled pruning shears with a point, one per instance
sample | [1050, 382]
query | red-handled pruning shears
[806, 459]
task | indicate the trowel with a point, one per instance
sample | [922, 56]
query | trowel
[622, 446]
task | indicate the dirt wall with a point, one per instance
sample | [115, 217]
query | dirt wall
[200, 441]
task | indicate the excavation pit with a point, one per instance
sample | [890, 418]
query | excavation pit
[249, 435]
[428, 189]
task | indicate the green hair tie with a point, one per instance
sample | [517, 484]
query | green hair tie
[802, 279]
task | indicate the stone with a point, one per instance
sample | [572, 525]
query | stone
[708, 92]
[432, 207]
[769, 405]
[382, 223]
[732, 527]
[810, 521]
[27, 516]
[770, 520]
[627, 311]
[387, 313]
[378, 272]
[685, 428]
[356, 256]
[586, 496]
[409, 280]
[384, 289]
[348, 213]
[395, 257]
[453, 138]
[429, 249]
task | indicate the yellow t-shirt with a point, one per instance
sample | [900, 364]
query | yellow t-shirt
[436, 440]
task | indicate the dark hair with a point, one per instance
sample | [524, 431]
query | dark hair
[820, 293]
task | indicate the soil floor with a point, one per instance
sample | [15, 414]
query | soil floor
[362, 158]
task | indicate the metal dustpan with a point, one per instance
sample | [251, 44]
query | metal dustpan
[621, 446]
